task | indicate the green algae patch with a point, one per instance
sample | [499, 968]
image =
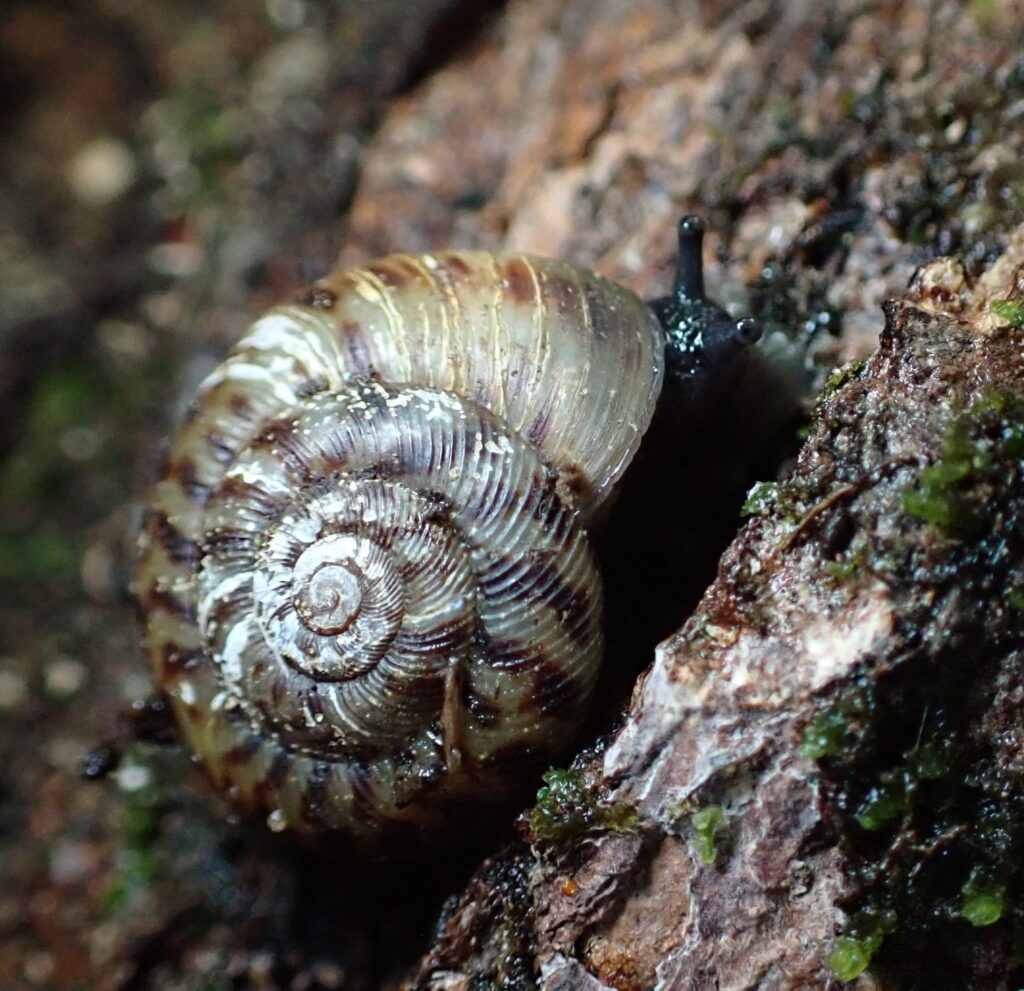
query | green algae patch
[567, 806]
[1012, 311]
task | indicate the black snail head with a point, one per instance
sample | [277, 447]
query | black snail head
[701, 338]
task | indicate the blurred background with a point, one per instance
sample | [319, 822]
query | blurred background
[165, 170]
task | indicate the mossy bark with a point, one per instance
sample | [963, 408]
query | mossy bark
[846, 695]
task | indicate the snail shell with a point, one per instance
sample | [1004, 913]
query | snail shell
[365, 575]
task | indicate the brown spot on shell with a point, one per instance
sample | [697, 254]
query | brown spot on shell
[281, 437]
[555, 693]
[318, 297]
[456, 265]
[234, 488]
[183, 470]
[230, 544]
[573, 605]
[519, 284]
[240, 406]
[178, 548]
[228, 608]
[392, 273]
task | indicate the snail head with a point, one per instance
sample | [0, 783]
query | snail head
[701, 338]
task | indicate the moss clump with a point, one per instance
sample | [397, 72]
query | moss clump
[760, 499]
[851, 955]
[847, 567]
[954, 494]
[917, 761]
[842, 376]
[941, 494]
[984, 899]
[825, 735]
[829, 731]
[707, 823]
[850, 958]
[567, 807]
[1012, 311]
[771, 499]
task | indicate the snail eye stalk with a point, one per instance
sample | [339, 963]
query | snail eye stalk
[700, 337]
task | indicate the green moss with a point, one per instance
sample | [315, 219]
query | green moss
[850, 958]
[567, 807]
[824, 735]
[771, 499]
[707, 823]
[841, 376]
[885, 802]
[760, 499]
[938, 498]
[954, 493]
[1015, 597]
[984, 899]
[853, 952]
[1012, 311]
[847, 567]
[831, 729]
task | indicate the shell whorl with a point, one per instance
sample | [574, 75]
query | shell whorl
[370, 601]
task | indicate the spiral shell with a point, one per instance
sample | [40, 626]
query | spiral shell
[367, 585]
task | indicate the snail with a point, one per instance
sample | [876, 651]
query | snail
[366, 579]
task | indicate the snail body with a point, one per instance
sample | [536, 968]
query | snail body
[365, 574]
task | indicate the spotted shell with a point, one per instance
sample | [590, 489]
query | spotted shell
[366, 580]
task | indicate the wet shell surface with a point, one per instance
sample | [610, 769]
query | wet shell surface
[366, 580]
